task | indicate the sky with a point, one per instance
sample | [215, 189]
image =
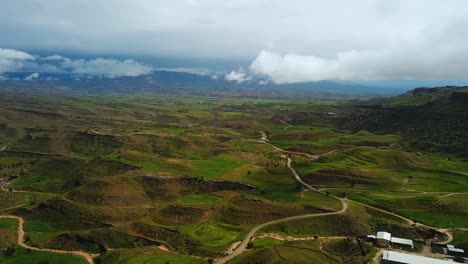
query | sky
[286, 41]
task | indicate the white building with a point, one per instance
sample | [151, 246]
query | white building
[383, 239]
[402, 242]
[392, 257]
[451, 250]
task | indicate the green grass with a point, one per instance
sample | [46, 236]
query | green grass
[146, 256]
[139, 159]
[161, 260]
[461, 239]
[8, 224]
[38, 238]
[434, 210]
[210, 138]
[213, 235]
[319, 200]
[6, 161]
[37, 226]
[288, 252]
[454, 164]
[411, 101]
[355, 222]
[52, 175]
[215, 167]
[198, 199]
[22, 256]
[266, 242]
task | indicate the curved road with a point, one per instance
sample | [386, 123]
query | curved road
[88, 257]
[446, 231]
[243, 245]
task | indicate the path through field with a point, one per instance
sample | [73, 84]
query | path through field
[344, 201]
[88, 257]
[243, 245]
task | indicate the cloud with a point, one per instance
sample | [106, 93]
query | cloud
[13, 60]
[110, 68]
[18, 61]
[237, 76]
[386, 63]
[54, 58]
[32, 77]
[200, 71]
[398, 38]
[15, 55]
[148, 27]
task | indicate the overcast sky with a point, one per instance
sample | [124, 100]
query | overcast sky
[289, 41]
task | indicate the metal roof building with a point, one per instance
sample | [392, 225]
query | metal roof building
[454, 251]
[402, 241]
[384, 235]
[392, 257]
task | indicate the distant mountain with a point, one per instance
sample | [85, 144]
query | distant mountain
[188, 83]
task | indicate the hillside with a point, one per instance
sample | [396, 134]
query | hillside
[149, 178]
[429, 119]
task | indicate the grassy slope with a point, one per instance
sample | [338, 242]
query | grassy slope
[210, 138]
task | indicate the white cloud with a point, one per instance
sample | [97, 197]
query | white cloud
[32, 76]
[237, 76]
[54, 58]
[18, 61]
[13, 60]
[15, 55]
[200, 71]
[386, 63]
[106, 67]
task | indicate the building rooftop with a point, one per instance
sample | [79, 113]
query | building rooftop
[402, 241]
[454, 249]
[411, 259]
[384, 235]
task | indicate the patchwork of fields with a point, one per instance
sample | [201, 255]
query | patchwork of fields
[152, 179]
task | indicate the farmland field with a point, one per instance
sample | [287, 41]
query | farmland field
[180, 180]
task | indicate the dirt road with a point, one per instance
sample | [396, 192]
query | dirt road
[88, 257]
[243, 245]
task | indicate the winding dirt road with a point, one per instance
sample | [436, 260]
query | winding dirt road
[88, 257]
[243, 245]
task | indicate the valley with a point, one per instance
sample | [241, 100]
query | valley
[149, 178]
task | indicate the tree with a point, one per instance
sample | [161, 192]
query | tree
[9, 251]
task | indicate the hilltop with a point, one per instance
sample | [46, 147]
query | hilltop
[430, 119]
